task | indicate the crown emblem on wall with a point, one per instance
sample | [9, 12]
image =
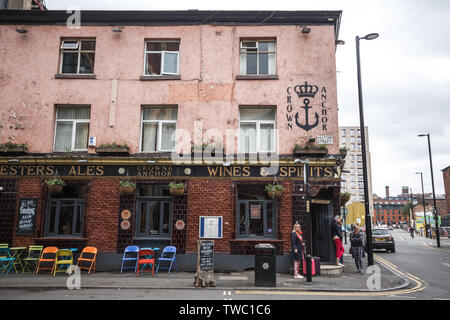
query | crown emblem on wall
[306, 90]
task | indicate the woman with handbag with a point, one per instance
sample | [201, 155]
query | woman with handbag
[357, 248]
[297, 249]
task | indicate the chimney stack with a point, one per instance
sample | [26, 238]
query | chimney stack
[387, 191]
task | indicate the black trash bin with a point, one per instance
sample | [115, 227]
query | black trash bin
[265, 265]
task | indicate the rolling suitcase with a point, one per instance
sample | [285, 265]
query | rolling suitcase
[313, 266]
[317, 265]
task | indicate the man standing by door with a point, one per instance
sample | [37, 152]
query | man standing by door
[336, 234]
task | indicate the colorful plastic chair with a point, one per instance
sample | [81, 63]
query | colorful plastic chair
[88, 251]
[64, 258]
[130, 250]
[34, 253]
[6, 261]
[3, 246]
[146, 259]
[169, 254]
[44, 258]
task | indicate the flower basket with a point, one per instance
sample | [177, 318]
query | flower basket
[274, 190]
[126, 189]
[177, 191]
[55, 188]
[55, 185]
[344, 198]
[275, 194]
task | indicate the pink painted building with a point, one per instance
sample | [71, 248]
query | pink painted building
[250, 84]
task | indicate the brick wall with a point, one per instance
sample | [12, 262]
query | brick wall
[30, 188]
[8, 201]
[100, 219]
[209, 198]
[446, 176]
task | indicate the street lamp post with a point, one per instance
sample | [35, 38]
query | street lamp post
[423, 203]
[438, 240]
[368, 219]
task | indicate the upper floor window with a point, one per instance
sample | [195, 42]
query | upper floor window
[77, 56]
[72, 128]
[159, 126]
[257, 57]
[161, 57]
[257, 130]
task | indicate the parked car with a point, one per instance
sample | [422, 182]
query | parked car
[391, 228]
[383, 239]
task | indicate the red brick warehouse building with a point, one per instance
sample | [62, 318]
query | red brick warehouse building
[256, 91]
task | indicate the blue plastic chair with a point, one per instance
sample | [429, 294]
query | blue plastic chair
[130, 249]
[6, 261]
[169, 254]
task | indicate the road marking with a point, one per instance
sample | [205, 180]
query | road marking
[446, 264]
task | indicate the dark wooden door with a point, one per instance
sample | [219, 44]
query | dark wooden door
[321, 218]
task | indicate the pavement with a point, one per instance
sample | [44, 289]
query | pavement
[348, 281]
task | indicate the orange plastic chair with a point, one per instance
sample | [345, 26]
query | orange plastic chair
[44, 258]
[146, 258]
[88, 251]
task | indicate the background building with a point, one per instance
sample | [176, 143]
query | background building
[388, 209]
[352, 177]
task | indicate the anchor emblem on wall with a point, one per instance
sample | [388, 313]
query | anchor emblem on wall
[306, 91]
[305, 119]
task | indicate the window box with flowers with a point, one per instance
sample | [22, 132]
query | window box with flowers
[310, 150]
[10, 148]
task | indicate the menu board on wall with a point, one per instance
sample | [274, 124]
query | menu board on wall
[26, 220]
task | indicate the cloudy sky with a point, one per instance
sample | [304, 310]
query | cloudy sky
[405, 75]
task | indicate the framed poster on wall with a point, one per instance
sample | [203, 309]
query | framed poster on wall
[211, 227]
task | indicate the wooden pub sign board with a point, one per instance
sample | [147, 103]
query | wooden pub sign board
[205, 264]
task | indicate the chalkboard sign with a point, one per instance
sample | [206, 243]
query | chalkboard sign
[206, 255]
[26, 220]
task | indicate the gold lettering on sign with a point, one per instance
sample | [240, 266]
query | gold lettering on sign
[154, 171]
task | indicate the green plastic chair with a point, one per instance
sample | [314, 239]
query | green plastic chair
[3, 253]
[64, 258]
[31, 261]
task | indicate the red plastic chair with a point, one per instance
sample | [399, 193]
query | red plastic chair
[146, 259]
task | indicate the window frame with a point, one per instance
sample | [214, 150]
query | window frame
[264, 204]
[146, 235]
[162, 58]
[78, 51]
[74, 125]
[258, 129]
[159, 132]
[77, 202]
[257, 41]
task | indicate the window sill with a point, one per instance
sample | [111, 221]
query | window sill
[256, 77]
[74, 76]
[157, 78]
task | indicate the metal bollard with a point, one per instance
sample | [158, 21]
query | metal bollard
[308, 268]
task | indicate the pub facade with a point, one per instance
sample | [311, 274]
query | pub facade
[221, 105]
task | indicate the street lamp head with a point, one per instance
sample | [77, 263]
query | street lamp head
[422, 135]
[371, 36]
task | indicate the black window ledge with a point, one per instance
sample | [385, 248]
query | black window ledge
[74, 76]
[157, 78]
[257, 77]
